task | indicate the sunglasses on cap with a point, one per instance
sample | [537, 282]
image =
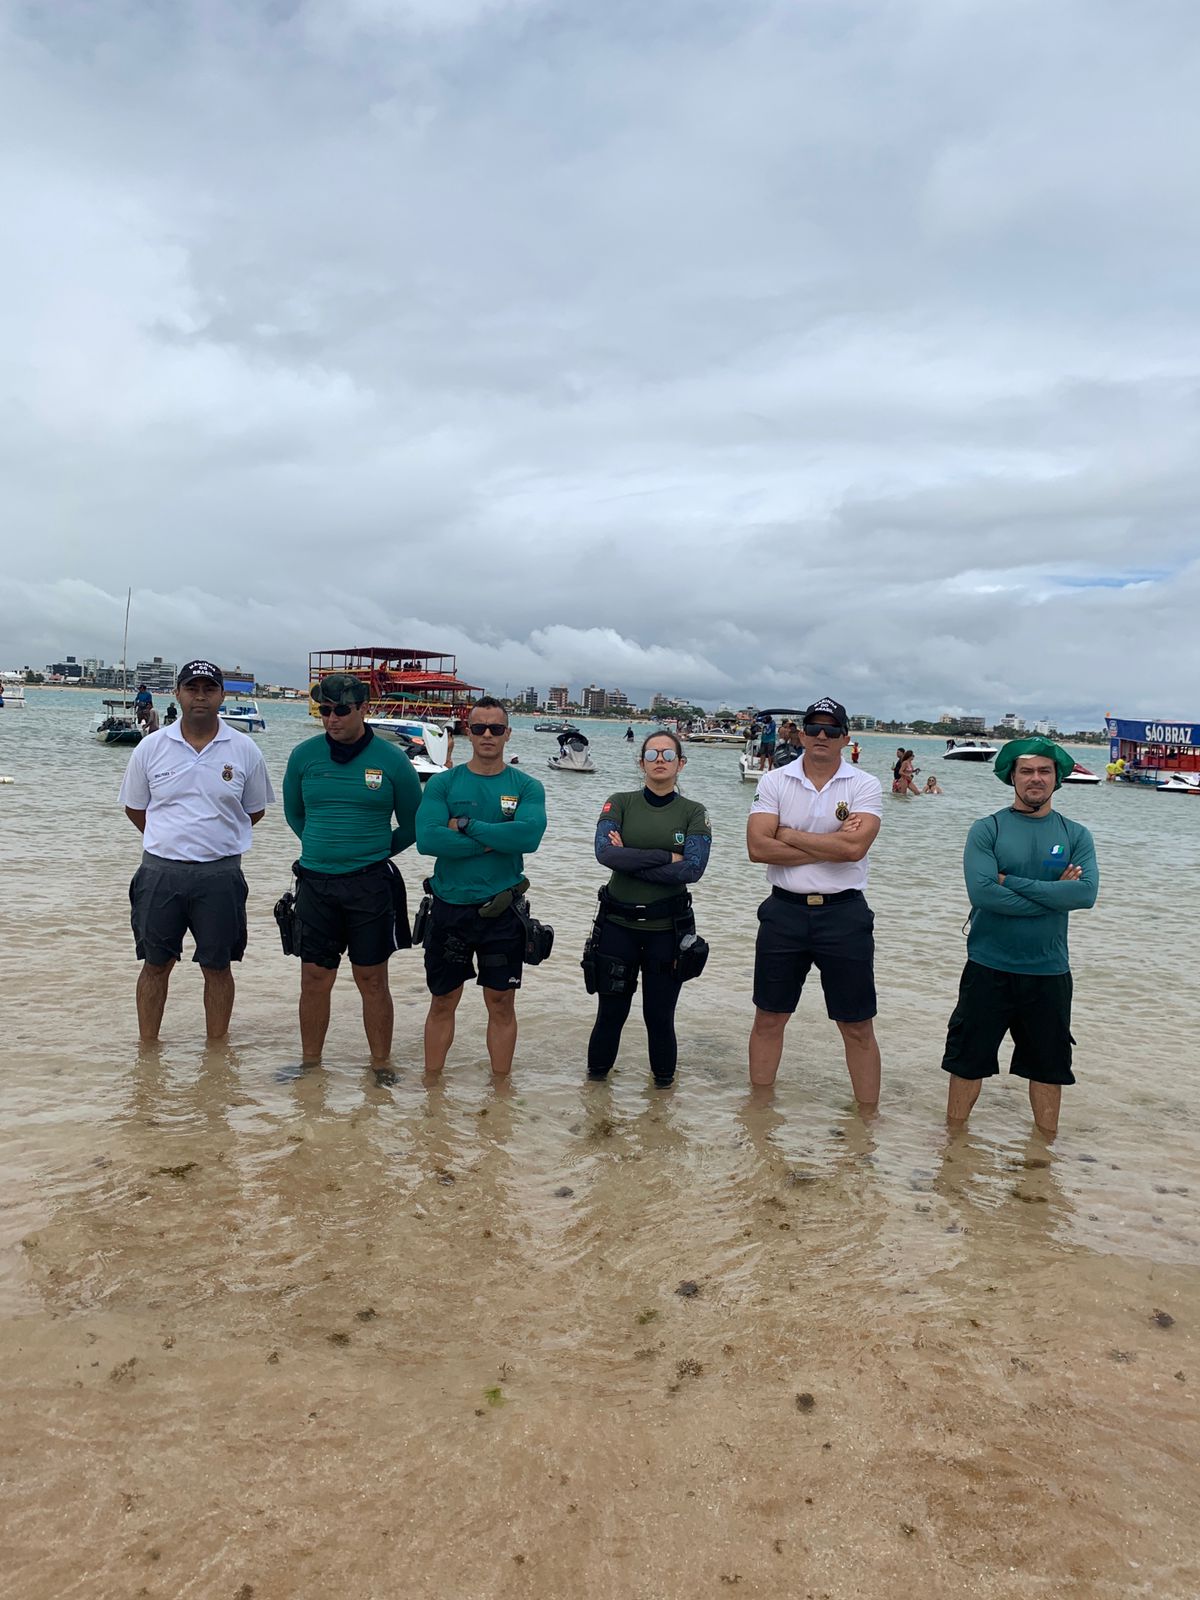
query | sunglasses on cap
[814, 730]
[494, 728]
[339, 710]
[661, 755]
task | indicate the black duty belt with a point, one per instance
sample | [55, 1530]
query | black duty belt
[818, 899]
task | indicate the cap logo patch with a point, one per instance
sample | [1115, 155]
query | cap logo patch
[508, 806]
[373, 778]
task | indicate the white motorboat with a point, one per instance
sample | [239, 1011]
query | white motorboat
[713, 733]
[553, 727]
[970, 750]
[750, 763]
[1180, 783]
[12, 696]
[244, 714]
[572, 753]
[1081, 774]
[426, 744]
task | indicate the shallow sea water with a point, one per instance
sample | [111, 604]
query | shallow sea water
[266, 1339]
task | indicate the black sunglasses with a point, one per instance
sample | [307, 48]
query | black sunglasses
[814, 730]
[480, 728]
[340, 710]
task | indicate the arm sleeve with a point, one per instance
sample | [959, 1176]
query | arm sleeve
[524, 833]
[293, 795]
[434, 835]
[766, 795]
[258, 793]
[135, 790]
[981, 871]
[695, 858]
[621, 857]
[1076, 894]
[406, 799]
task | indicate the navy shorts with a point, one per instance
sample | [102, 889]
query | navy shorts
[364, 913]
[1034, 1007]
[458, 936]
[204, 898]
[838, 938]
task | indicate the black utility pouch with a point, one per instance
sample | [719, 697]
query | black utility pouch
[539, 936]
[691, 957]
[285, 916]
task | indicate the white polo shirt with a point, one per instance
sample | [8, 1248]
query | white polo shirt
[197, 805]
[787, 794]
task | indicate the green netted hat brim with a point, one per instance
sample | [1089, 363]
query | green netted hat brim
[340, 688]
[1011, 753]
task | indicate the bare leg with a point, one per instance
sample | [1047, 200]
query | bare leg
[316, 986]
[962, 1096]
[439, 1029]
[218, 1000]
[766, 1045]
[862, 1061]
[1046, 1100]
[152, 997]
[501, 1029]
[376, 1009]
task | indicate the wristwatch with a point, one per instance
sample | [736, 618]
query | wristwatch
[462, 823]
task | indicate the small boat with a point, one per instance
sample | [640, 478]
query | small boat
[970, 750]
[118, 724]
[572, 753]
[1180, 783]
[426, 744]
[554, 727]
[714, 733]
[1081, 774]
[244, 714]
[12, 696]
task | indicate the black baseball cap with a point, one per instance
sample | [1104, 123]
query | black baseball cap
[200, 669]
[825, 707]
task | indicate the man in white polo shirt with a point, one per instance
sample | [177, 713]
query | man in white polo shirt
[812, 823]
[194, 790]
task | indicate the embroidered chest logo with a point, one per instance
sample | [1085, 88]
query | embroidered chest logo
[679, 838]
[227, 774]
[508, 806]
[373, 778]
[841, 811]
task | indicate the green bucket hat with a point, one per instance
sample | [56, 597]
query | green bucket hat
[340, 688]
[1007, 759]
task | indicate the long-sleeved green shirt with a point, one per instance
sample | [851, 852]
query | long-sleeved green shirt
[341, 811]
[506, 816]
[1020, 925]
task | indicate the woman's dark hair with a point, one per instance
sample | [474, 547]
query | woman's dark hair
[662, 733]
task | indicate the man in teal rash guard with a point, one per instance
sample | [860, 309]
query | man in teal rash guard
[479, 820]
[340, 793]
[1026, 869]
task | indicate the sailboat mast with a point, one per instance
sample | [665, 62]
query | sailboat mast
[125, 647]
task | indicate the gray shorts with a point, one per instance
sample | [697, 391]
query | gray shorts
[204, 898]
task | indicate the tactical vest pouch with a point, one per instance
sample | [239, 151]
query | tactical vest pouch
[691, 957]
[605, 974]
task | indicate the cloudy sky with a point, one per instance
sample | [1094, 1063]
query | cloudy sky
[738, 348]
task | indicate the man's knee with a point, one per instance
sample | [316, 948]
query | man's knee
[500, 1002]
[771, 1023]
[445, 1005]
[372, 980]
[315, 979]
[861, 1033]
[158, 969]
[216, 973]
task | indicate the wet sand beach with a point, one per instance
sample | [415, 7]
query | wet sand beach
[268, 1339]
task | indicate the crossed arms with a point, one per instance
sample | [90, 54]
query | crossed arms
[777, 846]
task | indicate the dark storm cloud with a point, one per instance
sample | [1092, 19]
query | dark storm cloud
[720, 349]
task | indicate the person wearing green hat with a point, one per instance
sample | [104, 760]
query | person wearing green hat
[341, 790]
[1026, 868]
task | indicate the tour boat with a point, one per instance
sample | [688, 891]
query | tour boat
[970, 750]
[1154, 752]
[404, 686]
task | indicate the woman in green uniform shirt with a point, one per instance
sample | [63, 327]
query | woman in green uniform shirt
[656, 842]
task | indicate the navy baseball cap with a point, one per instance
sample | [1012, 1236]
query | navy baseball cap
[200, 669]
[828, 708]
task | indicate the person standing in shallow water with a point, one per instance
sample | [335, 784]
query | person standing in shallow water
[656, 842]
[1026, 869]
[812, 823]
[194, 791]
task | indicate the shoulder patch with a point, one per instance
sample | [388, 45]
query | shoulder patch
[606, 808]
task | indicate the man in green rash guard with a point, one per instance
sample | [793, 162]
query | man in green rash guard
[340, 793]
[1026, 868]
[479, 821]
